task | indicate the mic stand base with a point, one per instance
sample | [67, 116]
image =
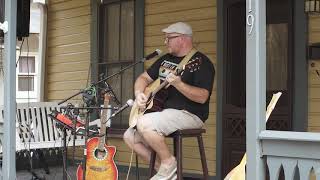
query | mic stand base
[38, 154]
[35, 176]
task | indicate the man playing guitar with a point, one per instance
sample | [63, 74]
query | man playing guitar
[185, 103]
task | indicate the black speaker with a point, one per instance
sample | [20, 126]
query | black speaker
[1, 15]
[23, 17]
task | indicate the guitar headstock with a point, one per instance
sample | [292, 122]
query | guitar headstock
[192, 66]
[107, 89]
[107, 96]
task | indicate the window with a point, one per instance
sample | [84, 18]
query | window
[26, 74]
[117, 45]
[27, 77]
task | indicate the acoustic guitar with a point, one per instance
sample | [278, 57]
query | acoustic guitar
[239, 172]
[100, 164]
[156, 93]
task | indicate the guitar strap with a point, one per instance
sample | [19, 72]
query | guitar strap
[183, 62]
[187, 58]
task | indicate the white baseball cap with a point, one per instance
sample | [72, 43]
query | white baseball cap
[179, 27]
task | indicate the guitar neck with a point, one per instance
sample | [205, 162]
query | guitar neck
[272, 104]
[103, 119]
[162, 85]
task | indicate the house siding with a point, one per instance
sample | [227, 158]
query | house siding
[314, 79]
[68, 59]
[68, 48]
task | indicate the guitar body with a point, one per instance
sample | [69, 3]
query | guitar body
[154, 103]
[99, 168]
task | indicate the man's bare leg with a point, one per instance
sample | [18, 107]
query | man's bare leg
[157, 142]
[141, 149]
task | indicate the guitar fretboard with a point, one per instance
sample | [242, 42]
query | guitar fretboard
[103, 119]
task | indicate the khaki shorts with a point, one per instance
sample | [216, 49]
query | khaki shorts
[165, 123]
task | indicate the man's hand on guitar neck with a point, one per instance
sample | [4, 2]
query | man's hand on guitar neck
[173, 79]
[141, 99]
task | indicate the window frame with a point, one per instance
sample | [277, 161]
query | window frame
[30, 95]
[138, 45]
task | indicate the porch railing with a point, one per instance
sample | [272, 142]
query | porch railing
[292, 151]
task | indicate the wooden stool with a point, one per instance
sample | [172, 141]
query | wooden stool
[177, 146]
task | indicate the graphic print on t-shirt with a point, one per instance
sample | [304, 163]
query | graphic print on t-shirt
[166, 67]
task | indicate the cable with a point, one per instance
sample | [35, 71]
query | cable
[1, 57]
[28, 101]
[20, 51]
[88, 75]
[64, 158]
[130, 164]
[30, 126]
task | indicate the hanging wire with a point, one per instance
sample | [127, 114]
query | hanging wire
[1, 58]
[20, 50]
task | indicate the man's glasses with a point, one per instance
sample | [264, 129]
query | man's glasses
[167, 39]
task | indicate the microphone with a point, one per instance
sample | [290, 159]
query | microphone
[153, 54]
[128, 103]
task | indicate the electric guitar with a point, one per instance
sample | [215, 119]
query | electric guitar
[239, 172]
[157, 95]
[100, 164]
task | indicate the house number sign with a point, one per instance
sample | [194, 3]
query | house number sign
[250, 18]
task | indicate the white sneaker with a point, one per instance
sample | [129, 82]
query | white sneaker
[165, 173]
[174, 177]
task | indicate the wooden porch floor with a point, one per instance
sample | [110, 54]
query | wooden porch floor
[56, 174]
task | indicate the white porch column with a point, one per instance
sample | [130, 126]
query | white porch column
[9, 145]
[255, 85]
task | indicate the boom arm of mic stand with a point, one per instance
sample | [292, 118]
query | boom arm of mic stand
[112, 75]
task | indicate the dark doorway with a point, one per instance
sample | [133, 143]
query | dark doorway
[279, 74]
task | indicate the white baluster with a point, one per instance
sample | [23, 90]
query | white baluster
[317, 170]
[289, 165]
[304, 168]
[274, 165]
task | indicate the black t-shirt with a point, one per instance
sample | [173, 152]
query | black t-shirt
[203, 77]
